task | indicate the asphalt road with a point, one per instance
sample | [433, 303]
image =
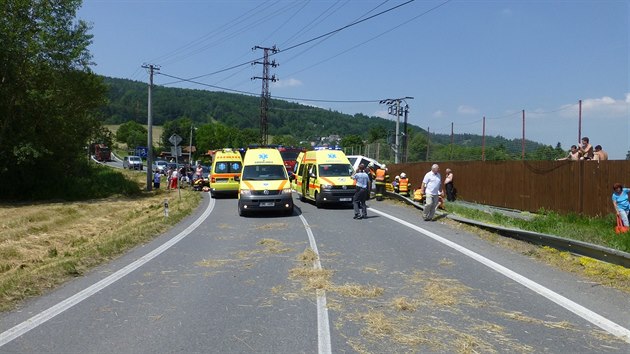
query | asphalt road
[221, 283]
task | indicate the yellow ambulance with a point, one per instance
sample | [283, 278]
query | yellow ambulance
[264, 183]
[296, 175]
[326, 177]
[226, 172]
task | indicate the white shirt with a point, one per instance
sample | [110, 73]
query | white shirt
[433, 182]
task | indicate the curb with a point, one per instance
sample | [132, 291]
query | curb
[601, 253]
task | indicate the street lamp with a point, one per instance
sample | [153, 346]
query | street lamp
[395, 109]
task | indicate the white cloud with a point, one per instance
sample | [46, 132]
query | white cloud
[381, 114]
[438, 114]
[467, 110]
[287, 83]
[603, 107]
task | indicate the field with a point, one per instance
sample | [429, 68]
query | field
[44, 244]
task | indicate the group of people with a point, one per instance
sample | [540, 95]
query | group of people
[586, 151]
[174, 176]
[431, 189]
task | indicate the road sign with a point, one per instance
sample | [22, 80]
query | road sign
[175, 139]
[176, 151]
[142, 151]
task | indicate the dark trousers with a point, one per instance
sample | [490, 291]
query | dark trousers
[380, 189]
[450, 192]
[358, 201]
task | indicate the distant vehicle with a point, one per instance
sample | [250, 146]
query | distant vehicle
[356, 160]
[133, 163]
[101, 152]
[289, 156]
[160, 165]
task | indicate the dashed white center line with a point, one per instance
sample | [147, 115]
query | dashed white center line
[323, 327]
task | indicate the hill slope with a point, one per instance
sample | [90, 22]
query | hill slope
[128, 101]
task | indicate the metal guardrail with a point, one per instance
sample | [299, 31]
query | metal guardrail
[601, 253]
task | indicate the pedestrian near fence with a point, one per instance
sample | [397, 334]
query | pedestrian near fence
[621, 203]
[449, 185]
[431, 185]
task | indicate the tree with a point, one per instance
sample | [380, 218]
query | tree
[351, 141]
[286, 140]
[48, 93]
[133, 134]
[180, 126]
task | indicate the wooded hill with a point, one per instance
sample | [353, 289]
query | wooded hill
[128, 102]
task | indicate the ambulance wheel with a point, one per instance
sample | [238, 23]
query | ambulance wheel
[318, 200]
[213, 196]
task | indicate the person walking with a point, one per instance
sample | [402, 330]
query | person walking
[431, 184]
[449, 186]
[360, 194]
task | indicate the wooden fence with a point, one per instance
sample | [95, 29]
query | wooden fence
[583, 187]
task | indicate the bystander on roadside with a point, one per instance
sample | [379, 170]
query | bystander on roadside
[449, 185]
[600, 154]
[431, 185]
[621, 203]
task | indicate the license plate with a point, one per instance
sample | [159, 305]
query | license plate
[267, 204]
[345, 199]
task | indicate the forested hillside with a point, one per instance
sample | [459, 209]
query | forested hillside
[128, 102]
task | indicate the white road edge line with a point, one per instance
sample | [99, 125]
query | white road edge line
[323, 327]
[39, 319]
[596, 319]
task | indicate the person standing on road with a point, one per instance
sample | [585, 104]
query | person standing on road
[360, 194]
[174, 179]
[379, 180]
[431, 184]
[621, 203]
[449, 186]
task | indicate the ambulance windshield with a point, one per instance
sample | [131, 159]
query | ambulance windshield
[335, 170]
[264, 172]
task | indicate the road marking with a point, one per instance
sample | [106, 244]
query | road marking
[46, 315]
[596, 319]
[323, 327]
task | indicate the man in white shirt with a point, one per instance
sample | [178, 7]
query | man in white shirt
[431, 188]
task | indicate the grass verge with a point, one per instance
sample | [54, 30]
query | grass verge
[44, 244]
[595, 230]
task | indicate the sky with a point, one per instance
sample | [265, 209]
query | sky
[459, 60]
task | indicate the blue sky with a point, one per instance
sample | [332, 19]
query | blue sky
[460, 61]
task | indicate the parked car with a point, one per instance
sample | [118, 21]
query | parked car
[133, 163]
[160, 165]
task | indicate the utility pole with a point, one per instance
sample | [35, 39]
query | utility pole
[394, 109]
[405, 136]
[152, 68]
[265, 96]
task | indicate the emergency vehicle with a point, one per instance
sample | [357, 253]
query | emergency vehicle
[326, 177]
[289, 156]
[264, 183]
[225, 174]
[295, 176]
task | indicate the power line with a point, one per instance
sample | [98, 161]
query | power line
[307, 41]
[256, 94]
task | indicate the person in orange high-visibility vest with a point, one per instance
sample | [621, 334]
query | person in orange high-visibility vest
[379, 180]
[405, 185]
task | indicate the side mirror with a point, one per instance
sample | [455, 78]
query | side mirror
[313, 175]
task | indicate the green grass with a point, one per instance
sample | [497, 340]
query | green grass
[596, 230]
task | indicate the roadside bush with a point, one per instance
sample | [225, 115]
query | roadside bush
[81, 182]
